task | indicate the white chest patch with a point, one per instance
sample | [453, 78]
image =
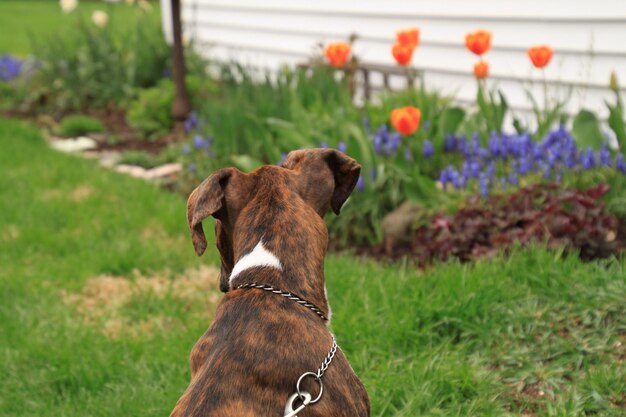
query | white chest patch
[258, 257]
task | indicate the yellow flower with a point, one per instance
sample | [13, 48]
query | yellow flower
[68, 5]
[100, 18]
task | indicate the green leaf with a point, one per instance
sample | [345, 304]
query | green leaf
[616, 123]
[450, 120]
[586, 130]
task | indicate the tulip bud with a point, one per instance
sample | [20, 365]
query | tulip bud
[613, 83]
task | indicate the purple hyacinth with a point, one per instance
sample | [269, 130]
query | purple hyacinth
[494, 145]
[342, 147]
[604, 155]
[191, 122]
[620, 164]
[360, 184]
[324, 145]
[366, 125]
[199, 142]
[386, 143]
[587, 159]
[427, 149]
[283, 157]
[192, 168]
[483, 185]
[9, 67]
[491, 169]
[408, 155]
[449, 143]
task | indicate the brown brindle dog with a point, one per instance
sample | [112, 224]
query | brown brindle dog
[270, 230]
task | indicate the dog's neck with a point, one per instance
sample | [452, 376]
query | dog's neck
[263, 266]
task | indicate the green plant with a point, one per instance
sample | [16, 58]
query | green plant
[95, 67]
[151, 111]
[77, 125]
[616, 112]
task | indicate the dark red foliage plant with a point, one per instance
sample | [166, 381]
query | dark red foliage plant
[571, 219]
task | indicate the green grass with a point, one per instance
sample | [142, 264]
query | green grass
[27, 19]
[535, 334]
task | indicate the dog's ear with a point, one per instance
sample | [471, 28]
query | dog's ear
[225, 248]
[209, 199]
[322, 172]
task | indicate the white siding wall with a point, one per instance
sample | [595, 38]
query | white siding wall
[589, 38]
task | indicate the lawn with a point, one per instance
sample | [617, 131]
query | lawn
[101, 299]
[39, 19]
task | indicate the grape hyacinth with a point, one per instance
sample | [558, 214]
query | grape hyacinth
[386, 143]
[9, 67]
[521, 156]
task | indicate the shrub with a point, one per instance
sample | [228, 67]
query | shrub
[79, 125]
[573, 219]
[93, 67]
[151, 111]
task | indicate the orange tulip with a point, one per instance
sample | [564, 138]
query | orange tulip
[337, 53]
[540, 55]
[481, 70]
[406, 120]
[478, 42]
[408, 37]
[402, 53]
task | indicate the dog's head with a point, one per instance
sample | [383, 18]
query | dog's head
[290, 199]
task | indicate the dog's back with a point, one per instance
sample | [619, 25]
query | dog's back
[260, 343]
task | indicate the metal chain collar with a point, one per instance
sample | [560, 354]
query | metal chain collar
[303, 396]
[287, 295]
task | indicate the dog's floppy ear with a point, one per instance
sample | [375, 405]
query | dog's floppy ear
[225, 248]
[208, 199]
[322, 172]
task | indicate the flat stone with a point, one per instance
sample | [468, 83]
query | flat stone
[163, 171]
[132, 170]
[79, 144]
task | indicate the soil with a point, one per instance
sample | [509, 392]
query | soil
[119, 136]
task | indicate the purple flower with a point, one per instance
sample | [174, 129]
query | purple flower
[323, 145]
[587, 159]
[373, 174]
[192, 168]
[491, 169]
[483, 185]
[475, 141]
[494, 145]
[9, 67]
[386, 143]
[199, 142]
[449, 143]
[342, 147]
[366, 125]
[427, 148]
[524, 166]
[191, 122]
[283, 156]
[460, 181]
[360, 184]
[513, 180]
[408, 155]
[604, 156]
[462, 146]
[620, 164]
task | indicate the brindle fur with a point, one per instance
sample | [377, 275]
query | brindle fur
[259, 343]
